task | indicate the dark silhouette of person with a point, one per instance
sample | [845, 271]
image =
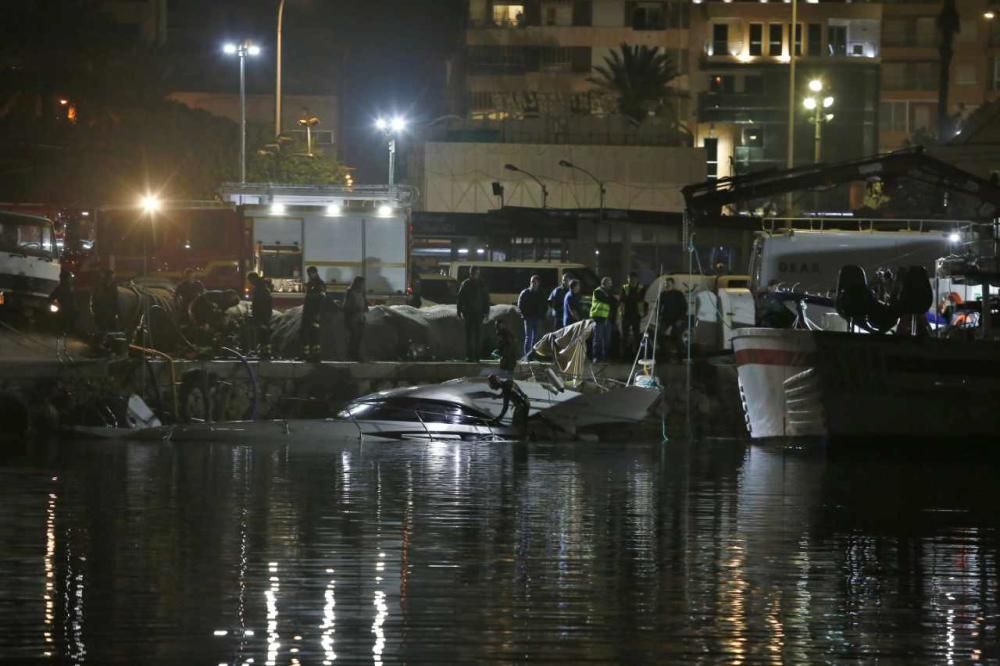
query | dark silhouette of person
[474, 309]
[355, 307]
[261, 312]
[311, 309]
[104, 304]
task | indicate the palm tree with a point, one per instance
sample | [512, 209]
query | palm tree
[638, 75]
[948, 25]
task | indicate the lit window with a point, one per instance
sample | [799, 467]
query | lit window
[508, 14]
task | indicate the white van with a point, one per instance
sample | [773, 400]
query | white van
[506, 279]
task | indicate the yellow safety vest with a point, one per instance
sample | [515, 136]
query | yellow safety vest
[598, 309]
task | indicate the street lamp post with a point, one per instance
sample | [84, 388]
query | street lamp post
[601, 188]
[277, 70]
[390, 128]
[242, 50]
[820, 106]
[309, 121]
[545, 190]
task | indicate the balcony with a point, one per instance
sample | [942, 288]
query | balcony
[741, 107]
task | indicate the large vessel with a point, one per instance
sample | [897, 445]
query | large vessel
[845, 359]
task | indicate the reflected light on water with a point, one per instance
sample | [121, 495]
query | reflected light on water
[271, 602]
[48, 563]
[329, 621]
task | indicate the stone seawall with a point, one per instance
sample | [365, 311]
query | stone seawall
[38, 395]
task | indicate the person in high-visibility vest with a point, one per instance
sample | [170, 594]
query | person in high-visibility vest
[600, 312]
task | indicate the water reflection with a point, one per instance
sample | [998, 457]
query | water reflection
[450, 552]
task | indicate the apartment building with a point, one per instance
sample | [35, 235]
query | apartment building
[528, 58]
[740, 54]
[910, 66]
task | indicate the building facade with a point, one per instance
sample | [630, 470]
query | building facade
[911, 70]
[741, 54]
[533, 57]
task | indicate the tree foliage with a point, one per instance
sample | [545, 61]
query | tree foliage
[288, 163]
[639, 76]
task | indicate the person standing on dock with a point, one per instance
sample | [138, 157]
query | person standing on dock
[571, 304]
[532, 305]
[64, 296]
[185, 292]
[633, 306]
[261, 311]
[557, 298]
[474, 309]
[673, 317]
[311, 309]
[104, 305]
[355, 307]
[600, 312]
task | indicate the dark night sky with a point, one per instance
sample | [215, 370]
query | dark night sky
[380, 55]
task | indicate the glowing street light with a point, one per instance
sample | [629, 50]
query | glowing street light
[242, 50]
[816, 104]
[150, 203]
[391, 128]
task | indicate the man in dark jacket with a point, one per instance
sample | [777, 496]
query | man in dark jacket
[311, 309]
[532, 305]
[571, 304]
[185, 292]
[261, 311]
[673, 313]
[104, 305]
[633, 309]
[64, 296]
[355, 307]
[557, 298]
[474, 309]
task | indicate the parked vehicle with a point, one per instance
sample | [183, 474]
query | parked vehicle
[29, 262]
[157, 246]
[343, 232]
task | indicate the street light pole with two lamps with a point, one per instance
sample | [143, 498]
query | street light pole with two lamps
[242, 50]
[820, 106]
[390, 128]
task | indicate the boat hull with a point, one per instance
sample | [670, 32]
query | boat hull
[864, 388]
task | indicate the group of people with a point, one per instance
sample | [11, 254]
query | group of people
[564, 306]
[355, 307]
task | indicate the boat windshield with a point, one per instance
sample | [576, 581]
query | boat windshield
[412, 409]
[26, 235]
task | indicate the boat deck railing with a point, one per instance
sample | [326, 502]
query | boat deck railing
[870, 224]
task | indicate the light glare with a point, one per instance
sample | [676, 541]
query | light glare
[150, 203]
[398, 124]
[229, 48]
[253, 50]
[827, 102]
[384, 210]
[277, 208]
[815, 85]
[954, 237]
[809, 103]
[381, 124]
[333, 210]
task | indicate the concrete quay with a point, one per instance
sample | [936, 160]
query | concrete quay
[43, 393]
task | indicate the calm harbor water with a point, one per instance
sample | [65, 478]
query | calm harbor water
[333, 552]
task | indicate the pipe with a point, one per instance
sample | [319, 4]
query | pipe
[253, 379]
[173, 373]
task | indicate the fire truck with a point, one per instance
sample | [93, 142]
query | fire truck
[344, 232]
[157, 245]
